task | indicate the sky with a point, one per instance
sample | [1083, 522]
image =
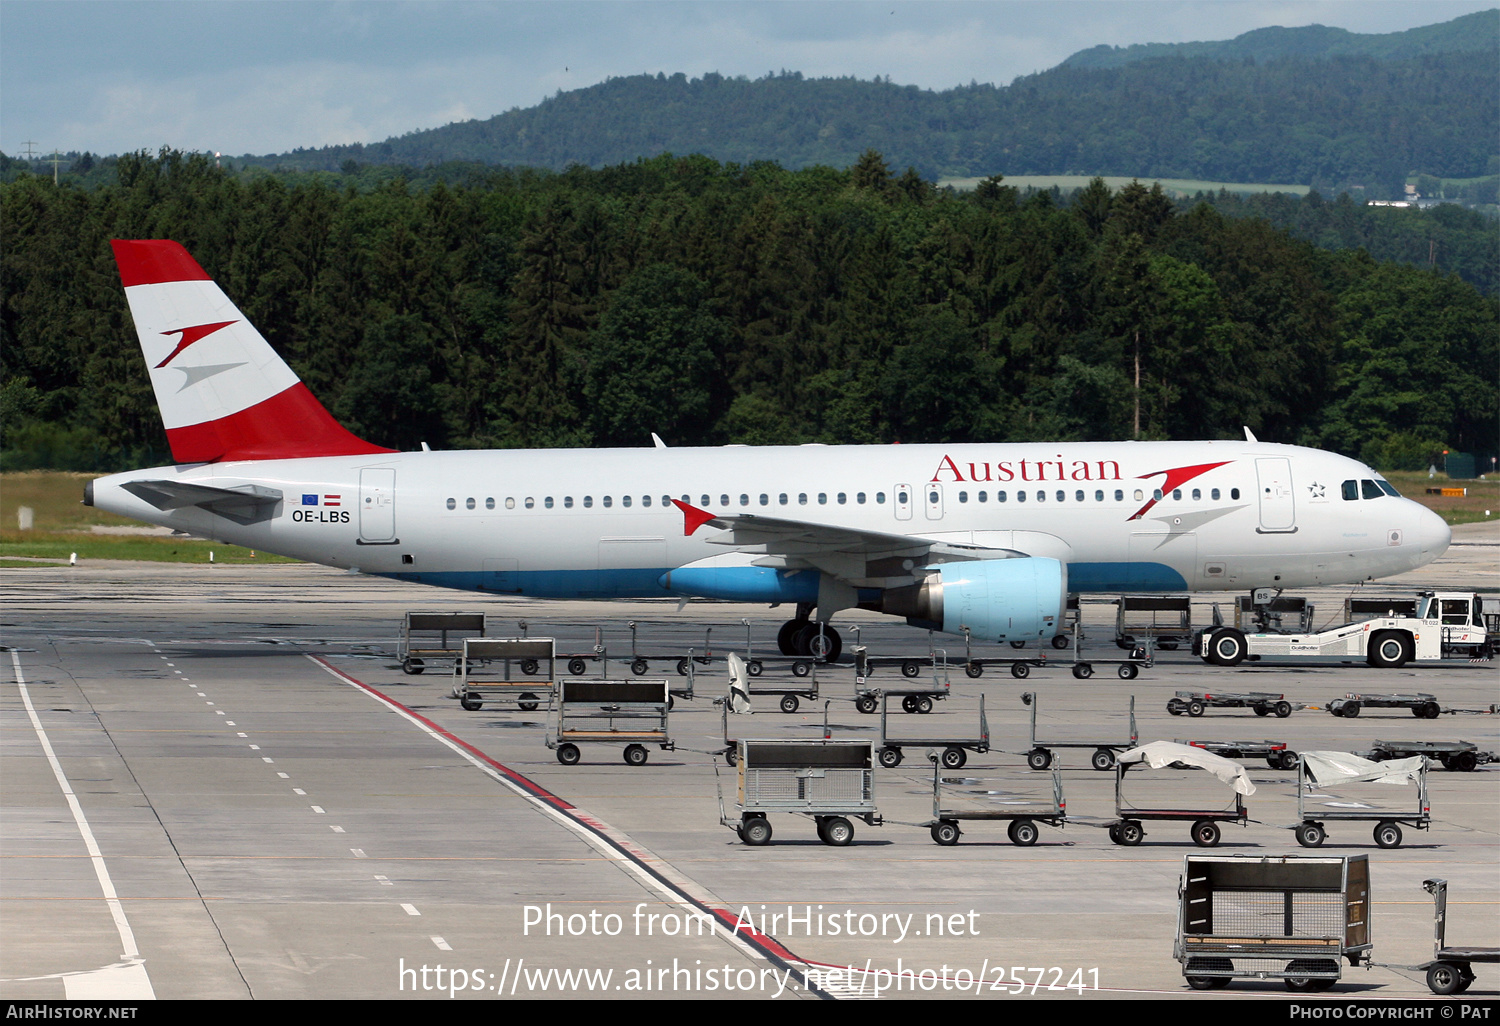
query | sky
[267, 76]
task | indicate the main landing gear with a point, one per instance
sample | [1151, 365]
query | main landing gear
[808, 637]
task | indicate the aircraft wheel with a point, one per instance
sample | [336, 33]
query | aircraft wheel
[567, 754]
[1020, 671]
[821, 641]
[786, 638]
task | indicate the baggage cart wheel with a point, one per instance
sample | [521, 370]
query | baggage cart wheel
[1175, 707]
[1018, 644]
[1131, 832]
[636, 755]
[789, 703]
[756, 831]
[528, 702]
[1128, 671]
[1083, 671]
[1283, 710]
[1195, 708]
[639, 667]
[1465, 762]
[411, 666]
[1289, 760]
[1059, 641]
[866, 703]
[732, 756]
[909, 703]
[1206, 833]
[470, 703]
[682, 667]
[1431, 711]
[954, 757]
[1114, 832]
[924, 704]
[890, 758]
[1445, 978]
[837, 831]
[1039, 758]
[1023, 832]
[910, 668]
[1350, 710]
[801, 668]
[946, 832]
[1262, 710]
[567, 754]
[529, 666]
[1103, 759]
[1311, 835]
[754, 668]
[1204, 982]
[1020, 671]
[577, 666]
[974, 670]
[1388, 834]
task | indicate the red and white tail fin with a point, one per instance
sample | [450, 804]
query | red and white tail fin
[224, 394]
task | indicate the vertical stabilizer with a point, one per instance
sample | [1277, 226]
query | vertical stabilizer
[223, 392]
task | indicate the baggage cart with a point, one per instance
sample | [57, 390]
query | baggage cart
[1450, 970]
[632, 713]
[1165, 619]
[955, 754]
[911, 666]
[577, 662]
[1264, 703]
[1361, 784]
[829, 781]
[1039, 757]
[1022, 812]
[435, 638]
[1287, 917]
[640, 662]
[1458, 756]
[1276, 753]
[496, 669]
[1422, 706]
[788, 693]
[916, 698]
[1205, 832]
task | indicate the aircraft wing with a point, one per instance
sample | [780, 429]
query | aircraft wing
[865, 559]
[244, 504]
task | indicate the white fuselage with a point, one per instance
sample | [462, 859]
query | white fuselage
[1234, 515]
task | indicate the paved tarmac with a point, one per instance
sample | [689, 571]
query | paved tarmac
[246, 797]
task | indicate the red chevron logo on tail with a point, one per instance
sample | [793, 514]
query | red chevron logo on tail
[189, 336]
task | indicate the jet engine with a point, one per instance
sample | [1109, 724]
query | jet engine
[995, 599]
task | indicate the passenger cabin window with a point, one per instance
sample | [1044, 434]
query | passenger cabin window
[547, 502]
[1214, 494]
[1020, 496]
[1120, 495]
[963, 496]
[822, 498]
[469, 502]
[880, 498]
[802, 498]
[530, 502]
[510, 503]
[1177, 494]
[453, 504]
[782, 498]
[723, 500]
[624, 501]
[489, 503]
[1234, 493]
[984, 496]
[765, 500]
[860, 498]
[1099, 495]
[1079, 496]
[567, 502]
[607, 502]
[744, 499]
[843, 499]
[999, 496]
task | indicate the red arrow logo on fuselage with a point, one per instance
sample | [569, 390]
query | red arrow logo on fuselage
[1176, 477]
[189, 336]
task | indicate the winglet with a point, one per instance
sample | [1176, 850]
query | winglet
[693, 517]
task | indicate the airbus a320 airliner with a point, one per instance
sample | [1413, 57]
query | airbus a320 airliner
[989, 539]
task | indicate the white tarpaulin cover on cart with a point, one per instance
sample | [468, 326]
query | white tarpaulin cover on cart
[739, 692]
[1159, 754]
[1327, 768]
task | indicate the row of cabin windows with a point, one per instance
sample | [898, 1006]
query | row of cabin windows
[860, 498]
[1368, 489]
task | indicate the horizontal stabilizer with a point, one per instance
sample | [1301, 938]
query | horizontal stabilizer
[244, 504]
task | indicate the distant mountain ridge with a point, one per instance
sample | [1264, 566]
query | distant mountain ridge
[1475, 32]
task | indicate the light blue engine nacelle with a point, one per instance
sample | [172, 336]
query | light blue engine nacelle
[995, 599]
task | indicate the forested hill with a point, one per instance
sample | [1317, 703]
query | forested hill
[1329, 122]
[1475, 32]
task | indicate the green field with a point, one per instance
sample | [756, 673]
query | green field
[1175, 187]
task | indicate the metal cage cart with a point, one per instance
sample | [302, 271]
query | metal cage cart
[1457, 756]
[1276, 753]
[830, 781]
[1127, 829]
[1039, 757]
[1450, 970]
[418, 646]
[1272, 917]
[1023, 812]
[1166, 619]
[628, 712]
[491, 669]
[917, 698]
[1264, 703]
[955, 752]
[1341, 769]
[1422, 706]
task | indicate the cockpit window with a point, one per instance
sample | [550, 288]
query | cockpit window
[1370, 490]
[1385, 486]
[1351, 489]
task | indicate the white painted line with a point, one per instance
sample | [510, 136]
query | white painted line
[442, 945]
[411, 910]
[241, 733]
[283, 776]
[359, 853]
[255, 748]
[384, 881]
[230, 723]
[319, 810]
[140, 982]
[337, 829]
[266, 758]
[298, 790]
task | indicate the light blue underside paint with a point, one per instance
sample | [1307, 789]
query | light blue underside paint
[745, 584]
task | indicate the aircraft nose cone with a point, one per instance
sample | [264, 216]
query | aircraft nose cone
[1433, 534]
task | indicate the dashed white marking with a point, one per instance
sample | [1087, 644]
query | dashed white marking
[266, 758]
[283, 776]
[241, 733]
[319, 810]
[442, 945]
[384, 881]
[359, 853]
[298, 790]
[336, 829]
[411, 910]
[255, 748]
